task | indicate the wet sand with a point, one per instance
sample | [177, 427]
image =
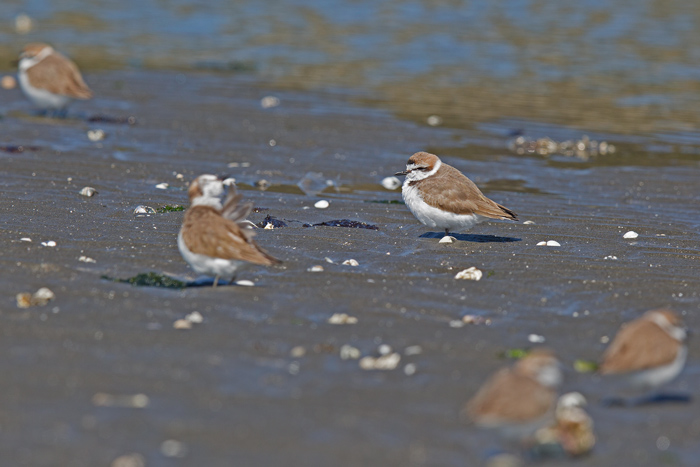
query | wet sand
[228, 389]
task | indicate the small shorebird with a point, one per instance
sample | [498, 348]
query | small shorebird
[441, 196]
[519, 400]
[647, 352]
[49, 79]
[215, 239]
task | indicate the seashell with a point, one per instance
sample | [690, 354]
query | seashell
[25, 239]
[528, 223]
[317, 268]
[50, 243]
[182, 177]
[86, 259]
[385, 362]
[24, 300]
[195, 317]
[348, 352]
[391, 183]
[631, 234]
[133, 459]
[269, 102]
[535, 338]
[434, 120]
[472, 274]
[182, 324]
[43, 295]
[141, 210]
[96, 135]
[610, 257]
[245, 283]
[297, 352]
[447, 239]
[88, 191]
[384, 349]
[162, 186]
[269, 226]
[553, 243]
[542, 244]
[350, 262]
[410, 369]
[342, 318]
[322, 204]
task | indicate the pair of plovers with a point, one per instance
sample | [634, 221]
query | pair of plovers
[645, 354]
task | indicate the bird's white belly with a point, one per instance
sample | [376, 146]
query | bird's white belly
[207, 265]
[42, 98]
[661, 375]
[434, 217]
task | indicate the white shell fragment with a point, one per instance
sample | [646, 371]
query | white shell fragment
[195, 317]
[610, 257]
[88, 191]
[384, 349]
[471, 274]
[50, 243]
[143, 210]
[348, 352]
[25, 239]
[409, 369]
[342, 318]
[631, 234]
[385, 362]
[549, 243]
[434, 120]
[474, 319]
[182, 324]
[317, 268]
[447, 239]
[245, 283]
[298, 351]
[268, 102]
[269, 226]
[350, 262]
[162, 186]
[322, 204]
[535, 338]
[391, 183]
[528, 222]
[86, 259]
[41, 297]
[133, 459]
[96, 135]
[412, 350]
[455, 323]
[135, 401]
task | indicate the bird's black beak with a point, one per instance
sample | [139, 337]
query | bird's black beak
[402, 173]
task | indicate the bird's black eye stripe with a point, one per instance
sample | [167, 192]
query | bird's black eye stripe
[422, 168]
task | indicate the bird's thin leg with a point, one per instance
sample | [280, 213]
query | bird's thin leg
[231, 281]
[216, 281]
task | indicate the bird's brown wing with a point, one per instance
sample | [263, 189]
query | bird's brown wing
[637, 346]
[510, 397]
[207, 233]
[59, 75]
[460, 195]
[237, 212]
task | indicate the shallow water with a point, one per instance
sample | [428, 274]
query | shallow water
[353, 108]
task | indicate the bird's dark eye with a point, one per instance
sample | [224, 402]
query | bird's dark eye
[422, 168]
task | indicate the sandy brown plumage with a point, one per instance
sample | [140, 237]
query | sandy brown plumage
[57, 74]
[206, 232]
[641, 344]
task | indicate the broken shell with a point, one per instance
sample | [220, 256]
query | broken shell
[88, 191]
[528, 222]
[245, 283]
[322, 204]
[384, 349]
[86, 259]
[317, 268]
[535, 338]
[447, 239]
[348, 352]
[141, 210]
[195, 317]
[96, 135]
[50, 243]
[24, 300]
[297, 352]
[351, 262]
[610, 257]
[25, 239]
[385, 362]
[472, 274]
[8, 82]
[43, 295]
[269, 226]
[162, 186]
[182, 324]
[434, 120]
[391, 183]
[542, 244]
[409, 369]
[133, 459]
[473, 319]
[631, 234]
[553, 243]
[342, 318]
[268, 102]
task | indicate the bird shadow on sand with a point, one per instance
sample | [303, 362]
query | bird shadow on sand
[472, 237]
[650, 399]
